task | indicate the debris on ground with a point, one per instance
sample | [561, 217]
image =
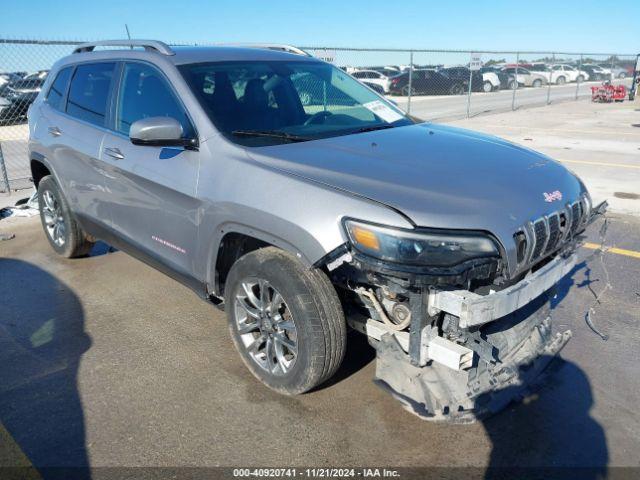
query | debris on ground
[7, 236]
[25, 207]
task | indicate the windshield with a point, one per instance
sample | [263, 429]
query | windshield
[265, 103]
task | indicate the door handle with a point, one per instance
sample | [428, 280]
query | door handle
[113, 153]
[54, 131]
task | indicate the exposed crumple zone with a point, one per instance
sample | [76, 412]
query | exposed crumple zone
[461, 346]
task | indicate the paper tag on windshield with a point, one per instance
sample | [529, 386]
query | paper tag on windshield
[383, 111]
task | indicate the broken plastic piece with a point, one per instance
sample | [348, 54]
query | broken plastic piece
[450, 354]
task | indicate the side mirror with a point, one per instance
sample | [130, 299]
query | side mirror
[159, 132]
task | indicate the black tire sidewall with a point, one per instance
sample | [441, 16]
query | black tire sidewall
[293, 290]
[49, 184]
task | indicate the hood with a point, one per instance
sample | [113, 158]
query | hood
[438, 176]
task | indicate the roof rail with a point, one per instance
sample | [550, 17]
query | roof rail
[271, 46]
[149, 45]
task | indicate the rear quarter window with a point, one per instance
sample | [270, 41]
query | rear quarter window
[59, 88]
[89, 92]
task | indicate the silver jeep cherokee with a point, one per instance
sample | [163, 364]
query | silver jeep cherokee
[280, 188]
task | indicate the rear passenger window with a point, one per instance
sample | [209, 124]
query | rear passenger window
[58, 89]
[89, 91]
[145, 93]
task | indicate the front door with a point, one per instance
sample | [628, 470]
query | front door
[154, 206]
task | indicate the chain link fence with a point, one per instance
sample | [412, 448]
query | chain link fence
[427, 84]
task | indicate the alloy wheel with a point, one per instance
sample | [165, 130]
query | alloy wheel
[265, 326]
[53, 219]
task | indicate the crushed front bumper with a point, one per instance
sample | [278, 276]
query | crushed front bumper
[473, 309]
[508, 333]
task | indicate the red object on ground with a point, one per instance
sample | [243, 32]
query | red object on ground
[608, 93]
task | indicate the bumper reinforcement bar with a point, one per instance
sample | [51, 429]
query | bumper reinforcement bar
[474, 309]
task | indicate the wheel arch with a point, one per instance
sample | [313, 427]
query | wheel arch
[232, 240]
[40, 168]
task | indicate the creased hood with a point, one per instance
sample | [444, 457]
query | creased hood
[438, 176]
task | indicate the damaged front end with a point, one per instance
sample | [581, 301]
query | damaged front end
[457, 343]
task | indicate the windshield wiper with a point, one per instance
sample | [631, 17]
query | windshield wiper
[373, 128]
[271, 133]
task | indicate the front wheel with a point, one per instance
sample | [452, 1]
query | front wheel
[537, 83]
[285, 319]
[63, 232]
[580, 79]
[487, 87]
[561, 81]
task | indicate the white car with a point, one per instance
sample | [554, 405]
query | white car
[561, 74]
[490, 82]
[371, 76]
[527, 77]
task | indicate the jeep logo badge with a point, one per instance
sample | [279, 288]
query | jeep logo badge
[553, 196]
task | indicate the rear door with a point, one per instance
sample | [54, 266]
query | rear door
[72, 131]
[154, 206]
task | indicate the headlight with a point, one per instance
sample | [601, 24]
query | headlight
[418, 248]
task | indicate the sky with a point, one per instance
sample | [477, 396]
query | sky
[463, 24]
[541, 25]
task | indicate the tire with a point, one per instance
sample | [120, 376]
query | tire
[511, 85]
[537, 83]
[310, 348]
[305, 98]
[622, 75]
[58, 222]
[487, 87]
[580, 79]
[561, 81]
[456, 89]
[406, 90]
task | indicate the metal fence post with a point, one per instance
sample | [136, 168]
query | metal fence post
[470, 82]
[515, 83]
[553, 62]
[410, 82]
[3, 171]
[611, 74]
[578, 82]
[634, 81]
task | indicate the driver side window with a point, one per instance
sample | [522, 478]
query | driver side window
[145, 93]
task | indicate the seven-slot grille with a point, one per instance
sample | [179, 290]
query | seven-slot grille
[548, 232]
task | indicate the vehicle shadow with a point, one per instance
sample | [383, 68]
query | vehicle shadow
[359, 354]
[42, 339]
[550, 434]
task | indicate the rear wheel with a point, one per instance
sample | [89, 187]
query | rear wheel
[580, 79]
[406, 91]
[456, 89]
[487, 87]
[285, 319]
[60, 226]
[561, 81]
[537, 83]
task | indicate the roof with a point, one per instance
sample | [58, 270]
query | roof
[188, 54]
[229, 53]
